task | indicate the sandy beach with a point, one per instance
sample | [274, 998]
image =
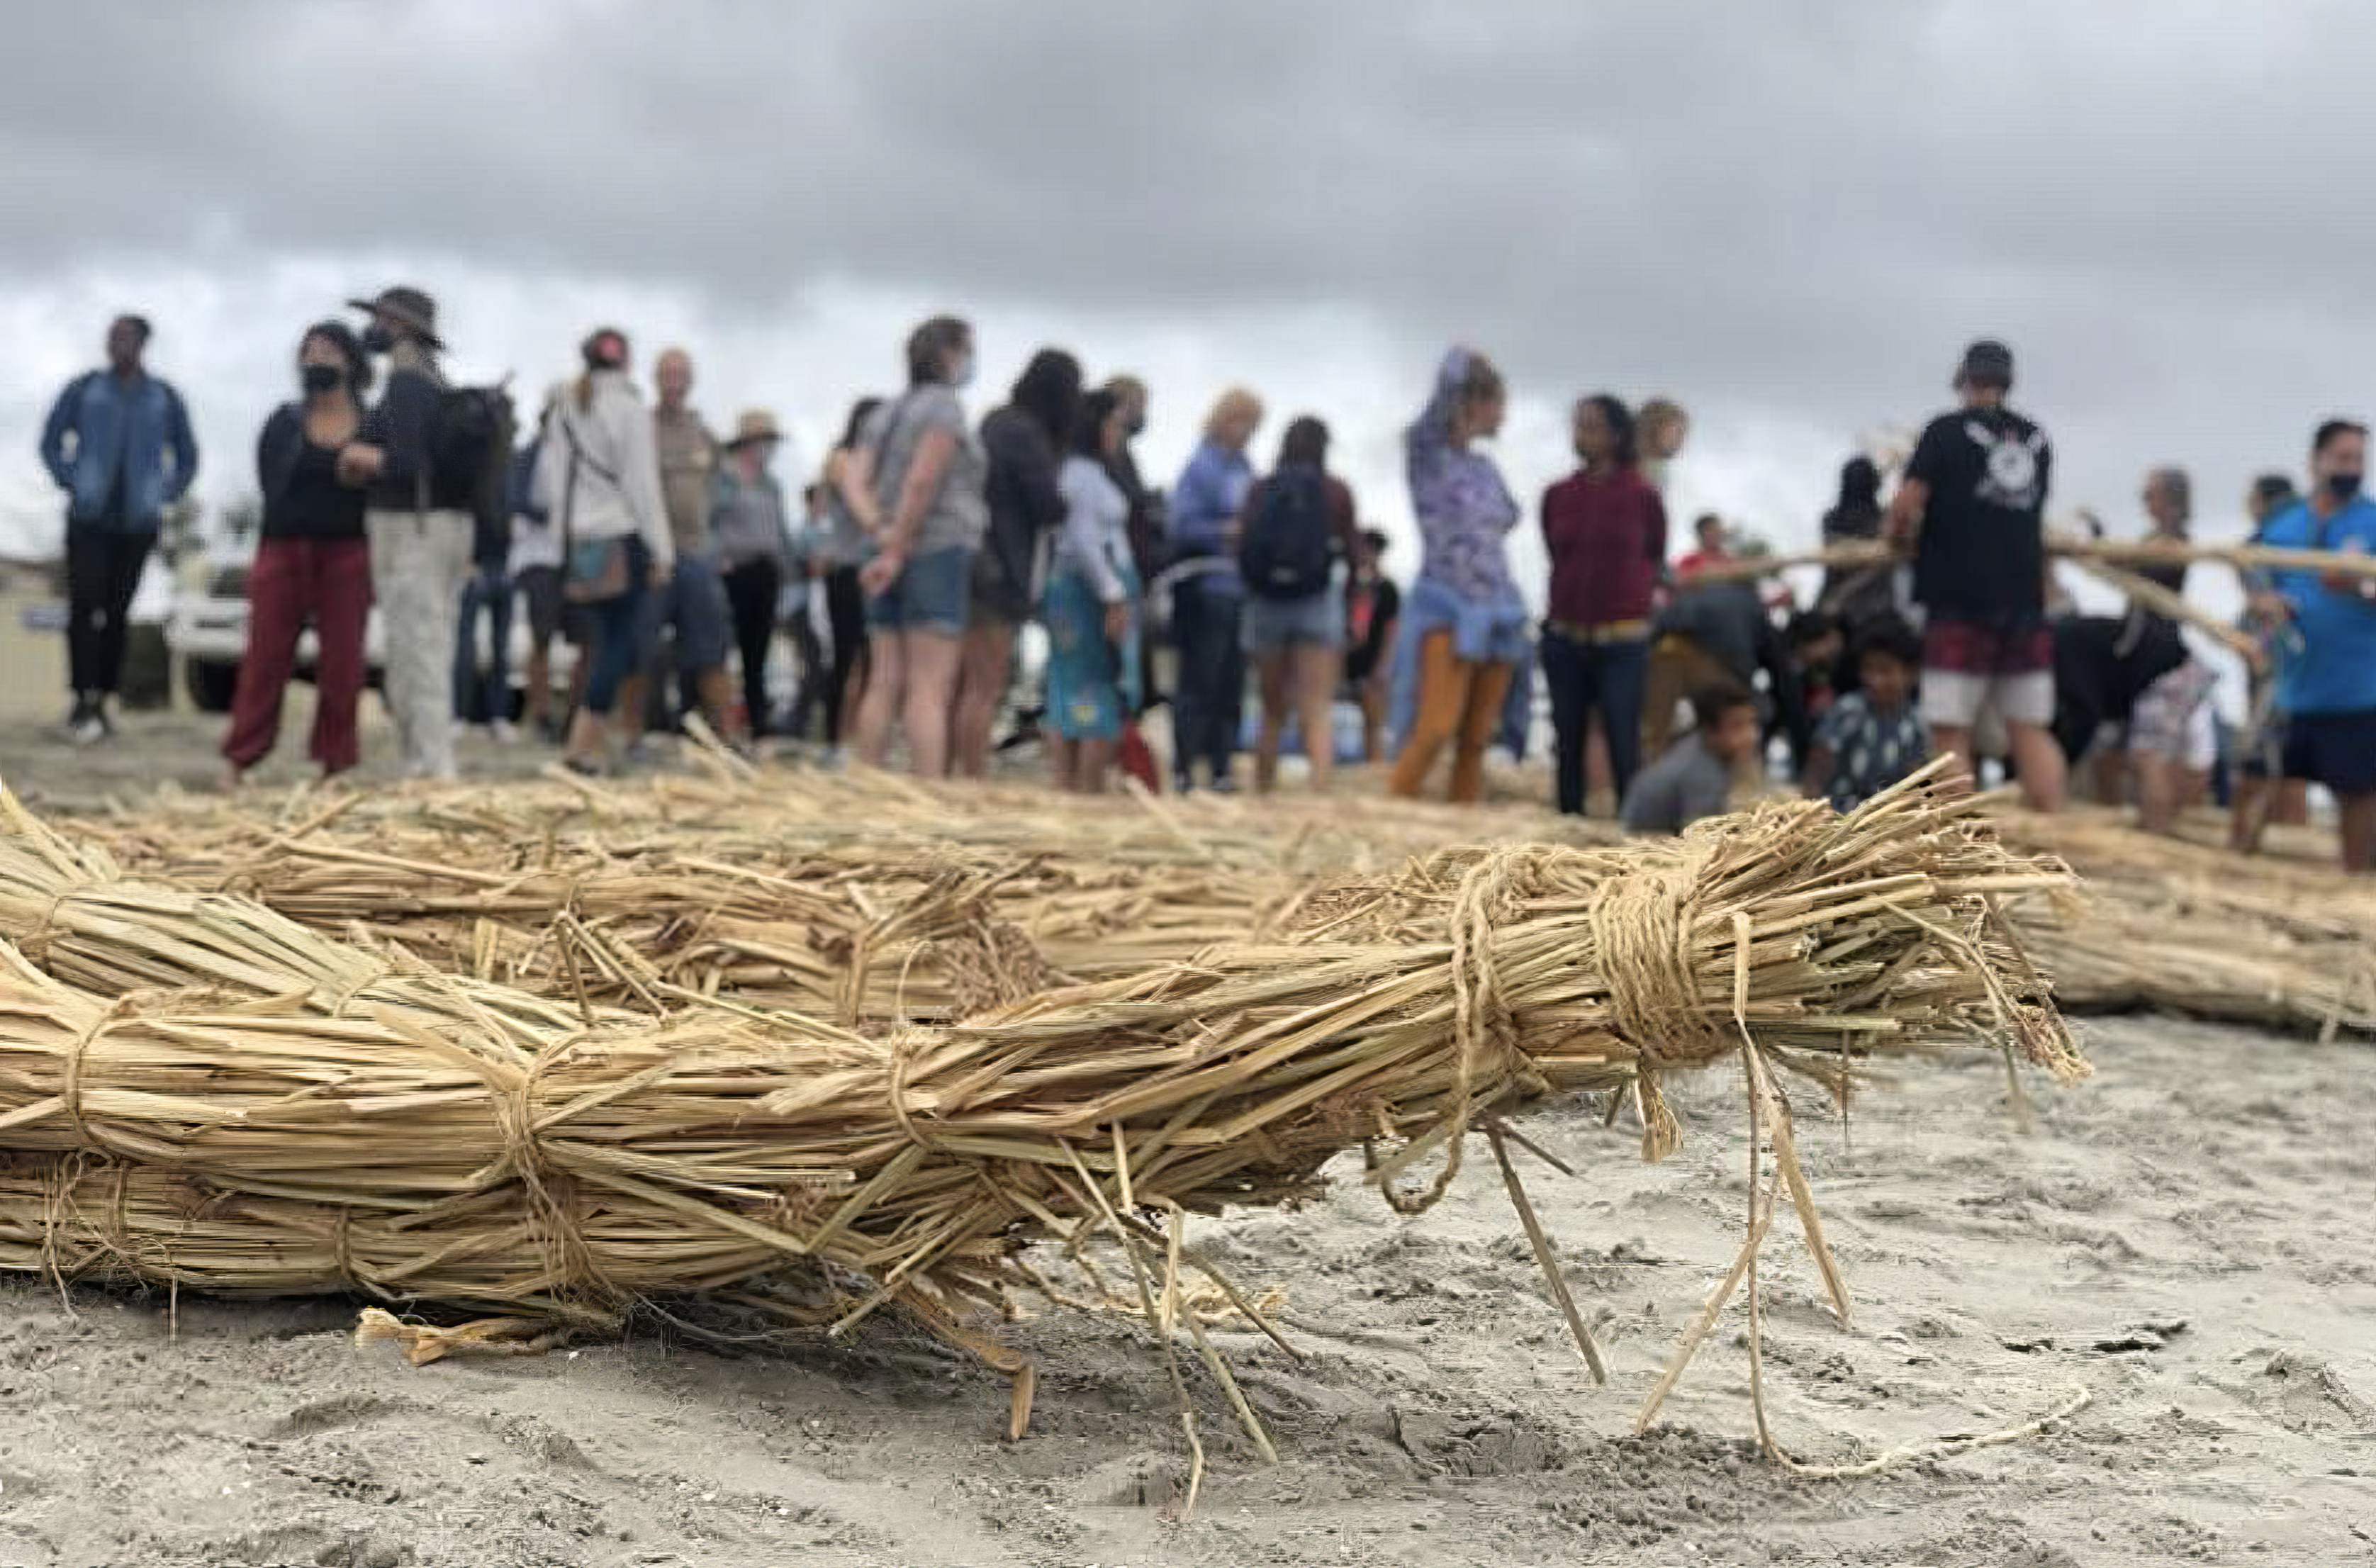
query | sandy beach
[2183, 1239]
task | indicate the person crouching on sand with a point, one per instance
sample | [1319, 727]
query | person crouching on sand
[1694, 779]
[1872, 737]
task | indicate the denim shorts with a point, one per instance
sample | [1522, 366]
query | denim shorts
[1275, 625]
[931, 594]
[694, 606]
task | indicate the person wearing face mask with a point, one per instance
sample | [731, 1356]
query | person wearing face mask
[313, 565]
[926, 472]
[420, 545]
[2327, 689]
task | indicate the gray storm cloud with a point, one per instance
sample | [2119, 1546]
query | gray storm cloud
[1789, 213]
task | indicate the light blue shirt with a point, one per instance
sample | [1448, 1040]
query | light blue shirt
[1210, 494]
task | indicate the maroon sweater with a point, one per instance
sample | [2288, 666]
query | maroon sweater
[1606, 537]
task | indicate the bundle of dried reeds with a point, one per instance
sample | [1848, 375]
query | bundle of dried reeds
[793, 898]
[867, 931]
[70, 912]
[2194, 928]
[796, 898]
[479, 1150]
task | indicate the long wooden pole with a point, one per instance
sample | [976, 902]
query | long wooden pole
[2110, 552]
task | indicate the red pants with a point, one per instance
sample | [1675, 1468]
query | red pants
[294, 581]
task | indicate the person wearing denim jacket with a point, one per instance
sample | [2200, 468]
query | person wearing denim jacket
[1464, 628]
[118, 442]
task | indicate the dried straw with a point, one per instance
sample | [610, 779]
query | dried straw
[464, 1144]
[869, 902]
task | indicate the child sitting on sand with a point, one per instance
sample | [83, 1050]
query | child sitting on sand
[1694, 779]
[1872, 737]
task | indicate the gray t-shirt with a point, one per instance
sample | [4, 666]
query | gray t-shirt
[845, 543]
[959, 514]
[1688, 783]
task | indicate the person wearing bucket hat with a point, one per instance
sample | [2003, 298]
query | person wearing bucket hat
[1971, 512]
[755, 551]
[420, 548]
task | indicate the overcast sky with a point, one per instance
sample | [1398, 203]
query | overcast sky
[1789, 216]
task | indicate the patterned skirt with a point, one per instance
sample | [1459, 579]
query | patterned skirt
[1092, 683]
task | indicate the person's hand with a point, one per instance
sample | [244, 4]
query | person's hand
[360, 463]
[1117, 622]
[878, 576]
[657, 574]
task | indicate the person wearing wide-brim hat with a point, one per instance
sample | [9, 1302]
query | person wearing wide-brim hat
[752, 428]
[397, 314]
[420, 548]
[756, 552]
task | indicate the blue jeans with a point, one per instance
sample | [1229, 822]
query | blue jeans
[614, 640]
[1581, 677]
[481, 697]
[1208, 704]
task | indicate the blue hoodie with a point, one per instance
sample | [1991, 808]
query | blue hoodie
[138, 427]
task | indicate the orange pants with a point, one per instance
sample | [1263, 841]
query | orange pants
[1460, 703]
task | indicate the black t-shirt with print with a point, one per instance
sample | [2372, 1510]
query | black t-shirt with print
[1982, 551]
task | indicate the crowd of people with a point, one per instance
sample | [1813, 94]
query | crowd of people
[673, 560]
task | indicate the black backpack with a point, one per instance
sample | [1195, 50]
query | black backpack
[470, 449]
[1286, 551]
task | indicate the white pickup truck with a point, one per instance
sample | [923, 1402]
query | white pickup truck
[208, 632]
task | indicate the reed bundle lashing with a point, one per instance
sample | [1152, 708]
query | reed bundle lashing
[459, 1143]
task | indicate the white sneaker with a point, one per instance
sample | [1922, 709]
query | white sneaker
[501, 732]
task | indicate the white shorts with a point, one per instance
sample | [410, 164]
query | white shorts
[1952, 701]
[2203, 738]
[2175, 718]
